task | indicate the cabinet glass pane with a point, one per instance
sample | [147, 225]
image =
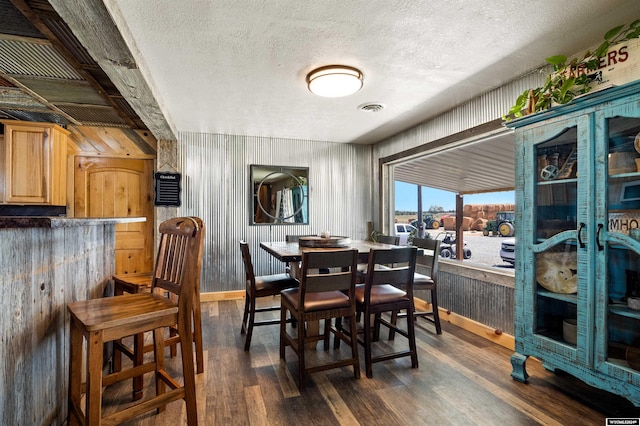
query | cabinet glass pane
[556, 188]
[623, 262]
[556, 292]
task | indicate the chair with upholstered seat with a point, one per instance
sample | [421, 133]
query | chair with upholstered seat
[170, 302]
[257, 287]
[292, 239]
[383, 239]
[388, 271]
[388, 239]
[327, 290]
[141, 282]
[426, 282]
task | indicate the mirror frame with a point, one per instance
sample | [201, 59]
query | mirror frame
[269, 181]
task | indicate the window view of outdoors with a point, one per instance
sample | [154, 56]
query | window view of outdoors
[488, 223]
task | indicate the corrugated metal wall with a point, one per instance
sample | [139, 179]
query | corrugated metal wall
[480, 110]
[484, 296]
[216, 188]
[482, 301]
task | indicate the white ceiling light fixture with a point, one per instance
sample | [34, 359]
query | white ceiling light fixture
[334, 81]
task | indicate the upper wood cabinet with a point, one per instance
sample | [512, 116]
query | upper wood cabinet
[33, 164]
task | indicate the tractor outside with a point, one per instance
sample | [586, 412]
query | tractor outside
[429, 222]
[503, 225]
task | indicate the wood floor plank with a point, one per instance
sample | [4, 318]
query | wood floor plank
[338, 406]
[256, 409]
[462, 379]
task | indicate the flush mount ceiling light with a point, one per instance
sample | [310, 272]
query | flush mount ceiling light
[334, 81]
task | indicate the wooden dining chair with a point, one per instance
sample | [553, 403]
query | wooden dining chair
[107, 319]
[388, 239]
[327, 290]
[141, 282]
[425, 282]
[291, 239]
[257, 287]
[383, 239]
[382, 293]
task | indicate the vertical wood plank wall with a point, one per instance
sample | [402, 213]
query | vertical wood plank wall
[216, 188]
[42, 270]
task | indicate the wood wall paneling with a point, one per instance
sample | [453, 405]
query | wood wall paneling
[113, 142]
[61, 265]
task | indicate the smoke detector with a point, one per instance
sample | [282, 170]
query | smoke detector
[371, 107]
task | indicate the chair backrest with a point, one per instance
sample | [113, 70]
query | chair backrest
[400, 274]
[179, 258]
[389, 239]
[292, 238]
[433, 245]
[248, 265]
[328, 270]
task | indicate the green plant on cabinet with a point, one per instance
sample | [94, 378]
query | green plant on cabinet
[570, 78]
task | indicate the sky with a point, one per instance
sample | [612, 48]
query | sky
[407, 198]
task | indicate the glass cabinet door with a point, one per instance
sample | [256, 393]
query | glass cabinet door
[555, 238]
[556, 189]
[620, 345]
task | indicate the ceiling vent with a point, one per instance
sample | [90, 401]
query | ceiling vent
[371, 107]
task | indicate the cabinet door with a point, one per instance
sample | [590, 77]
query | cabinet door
[618, 242]
[554, 217]
[27, 164]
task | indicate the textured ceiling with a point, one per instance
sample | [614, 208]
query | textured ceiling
[239, 67]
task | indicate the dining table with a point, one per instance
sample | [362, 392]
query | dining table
[291, 252]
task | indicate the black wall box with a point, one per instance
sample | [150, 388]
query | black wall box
[167, 189]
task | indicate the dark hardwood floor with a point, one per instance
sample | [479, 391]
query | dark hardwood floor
[463, 379]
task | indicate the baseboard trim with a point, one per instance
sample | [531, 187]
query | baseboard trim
[482, 330]
[216, 296]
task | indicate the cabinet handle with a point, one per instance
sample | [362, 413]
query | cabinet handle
[582, 225]
[600, 247]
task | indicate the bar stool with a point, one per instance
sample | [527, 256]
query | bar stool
[141, 283]
[107, 319]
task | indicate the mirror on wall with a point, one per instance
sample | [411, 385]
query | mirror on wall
[279, 195]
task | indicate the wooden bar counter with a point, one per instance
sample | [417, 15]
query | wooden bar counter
[46, 262]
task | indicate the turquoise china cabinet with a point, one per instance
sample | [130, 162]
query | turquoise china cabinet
[577, 247]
